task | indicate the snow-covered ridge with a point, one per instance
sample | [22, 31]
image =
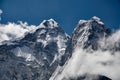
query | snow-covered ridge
[97, 19]
[12, 31]
[51, 23]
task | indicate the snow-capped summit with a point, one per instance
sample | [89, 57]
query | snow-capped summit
[51, 23]
[82, 21]
[88, 32]
[96, 18]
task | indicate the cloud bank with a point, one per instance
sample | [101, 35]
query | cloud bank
[12, 31]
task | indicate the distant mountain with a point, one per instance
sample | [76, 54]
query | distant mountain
[46, 52]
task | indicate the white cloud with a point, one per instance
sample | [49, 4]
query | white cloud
[13, 31]
[110, 42]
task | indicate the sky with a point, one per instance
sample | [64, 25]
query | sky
[66, 12]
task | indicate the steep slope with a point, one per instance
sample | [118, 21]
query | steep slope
[87, 55]
[86, 36]
[34, 56]
[88, 32]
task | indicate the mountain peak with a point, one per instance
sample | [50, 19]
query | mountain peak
[94, 18]
[51, 19]
[82, 21]
[97, 19]
[51, 23]
[87, 33]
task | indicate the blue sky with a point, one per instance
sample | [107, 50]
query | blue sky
[66, 12]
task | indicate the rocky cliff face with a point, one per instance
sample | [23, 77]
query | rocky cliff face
[36, 55]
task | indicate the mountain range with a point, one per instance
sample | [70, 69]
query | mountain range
[47, 52]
